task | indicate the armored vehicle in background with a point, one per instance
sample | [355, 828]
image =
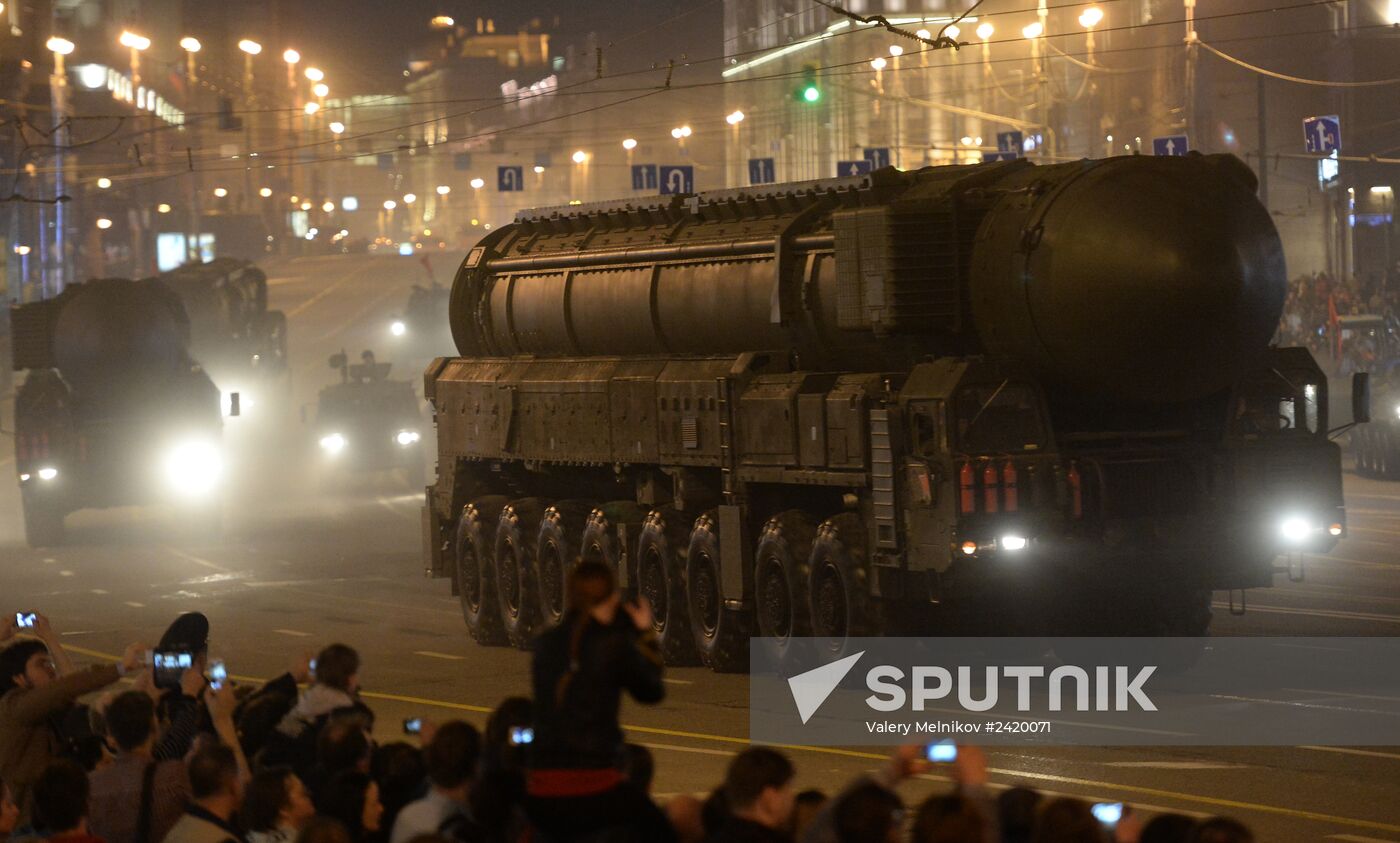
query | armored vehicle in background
[114, 409]
[999, 399]
[369, 423]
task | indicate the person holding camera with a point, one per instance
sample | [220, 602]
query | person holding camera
[602, 648]
[39, 688]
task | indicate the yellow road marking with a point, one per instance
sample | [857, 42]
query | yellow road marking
[1296, 813]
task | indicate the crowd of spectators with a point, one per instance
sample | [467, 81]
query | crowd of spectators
[1315, 302]
[183, 759]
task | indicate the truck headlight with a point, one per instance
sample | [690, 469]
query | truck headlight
[1013, 542]
[398, 328]
[47, 473]
[333, 443]
[194, 467]
[1295, 529]
[406, 437]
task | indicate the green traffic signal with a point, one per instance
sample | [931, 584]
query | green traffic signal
[811, 93]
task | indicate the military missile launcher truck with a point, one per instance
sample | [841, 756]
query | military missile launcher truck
[113, 411]
[998, 398]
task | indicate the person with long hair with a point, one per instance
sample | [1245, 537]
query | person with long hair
[604, 647]
[352, 797]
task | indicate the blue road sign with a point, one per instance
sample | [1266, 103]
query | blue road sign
[510, 178]
[1322, 134]
[643, 176]
[676, 179]
[762, 171]
[878, 156]
[852, 168]
[988, 157]
[1011, 142]
[462, 161]
[1170, 145]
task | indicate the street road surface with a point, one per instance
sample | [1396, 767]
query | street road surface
[302, 564]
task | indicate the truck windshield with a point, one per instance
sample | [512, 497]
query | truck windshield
[999, 418]
[1282, 403]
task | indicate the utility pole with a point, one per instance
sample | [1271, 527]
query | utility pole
[1191, 46]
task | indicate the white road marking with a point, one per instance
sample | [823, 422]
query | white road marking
[133, 604]
[1346, 750]
[678, 681]
[99, 591]
[66, 574]
[433, 655]
[49, 560]
[1177, 765]
[1320, 613]
[189, 557]
[292, 632]
[1343, 694]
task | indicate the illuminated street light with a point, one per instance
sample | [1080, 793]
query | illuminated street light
[1091, 17]
[580, 156]
[1392, 13]
[21, 250]
[104, 223]
[735, 118]
[952, 32]
[410, 198]
[104, 183]
[190, 44]
[320, 89]
[134, 41]
[539, 168]
[477, 183]
[924, 34]
[443, 190]
[252, 48]
[878, 63]
[306, 206]
[442, 22]
[985, 30]
[163, 208]
[314, 74]
[896, 50]
[681, 132]
[265, 192]
[312, 107]
[629, 144]
[337, 127]
[328, 206]
[291, 56]
[61, 46]
[1032, 31]
[390, 204]
[221, 192]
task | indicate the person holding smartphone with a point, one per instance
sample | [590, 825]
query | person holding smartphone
[602, 648]
[38, 686]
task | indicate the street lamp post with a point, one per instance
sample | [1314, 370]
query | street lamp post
[58, 89]
[896, 83]
[1090, 18]
[191, 46]
[136, 43]
[734, 118]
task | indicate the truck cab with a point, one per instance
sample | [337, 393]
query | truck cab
[368, 422]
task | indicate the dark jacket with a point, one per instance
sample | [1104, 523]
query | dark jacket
[739, 830]
[576, 709]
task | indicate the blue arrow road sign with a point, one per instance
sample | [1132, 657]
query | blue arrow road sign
[852, 168]
[1322, 134]
[988, 157]
[1010, 142]
[1170, 145]
[677, 179]
[878, 156]
[762, 171]
[643, 176]
[510, 178]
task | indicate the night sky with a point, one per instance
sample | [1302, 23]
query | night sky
[366, 42]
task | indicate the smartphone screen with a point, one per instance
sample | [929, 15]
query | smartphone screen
[413, 726]
[521, 735]
[169, 665]
[942, 752]
[1108, 813]
[218, 675]
[25, 620]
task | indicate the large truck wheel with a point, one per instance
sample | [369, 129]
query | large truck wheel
[43, 524]
[661, 580]
[475, 548]
[780, 578]
[721, 634]
[842, 606]
[601, 541]
[557, 554]
[516, 588]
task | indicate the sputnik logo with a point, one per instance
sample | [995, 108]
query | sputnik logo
[810, 689]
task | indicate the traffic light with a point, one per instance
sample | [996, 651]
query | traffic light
[809, 91]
